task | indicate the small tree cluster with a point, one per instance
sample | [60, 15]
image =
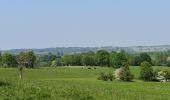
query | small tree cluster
[163, 76]
[124, 73]
[147, 73]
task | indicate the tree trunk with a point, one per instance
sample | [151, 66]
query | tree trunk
[21, 74]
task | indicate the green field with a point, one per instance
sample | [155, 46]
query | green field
[75, 83]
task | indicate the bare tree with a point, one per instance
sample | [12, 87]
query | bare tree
[21, 60]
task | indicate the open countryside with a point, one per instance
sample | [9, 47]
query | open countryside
[87, 76]
[84, 50]
[76, 84]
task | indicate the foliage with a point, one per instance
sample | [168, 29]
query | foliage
[168, 63]
[118, 73]
[167, 75]
[105, 77]
[72, 60]
[102, 58]
[126, 74]
[8, 60]
[66, 60]
[31, 58]
[28, 58]
[162, 75]
[146, 73]
[54, 63]
[76, 60]
[141, 58]
[119, 59]
[58, 61]
[160, 58]
[88, 59]
[112, 58]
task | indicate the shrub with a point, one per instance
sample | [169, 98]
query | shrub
[106, 77]
[118, 73]
[160, 76]
[147, 73]
[102, 77]
[126, 74]
[88, 68]
[163, 76]
[111, 77]
[167, 75]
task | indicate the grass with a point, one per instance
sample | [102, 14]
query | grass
[76, 83]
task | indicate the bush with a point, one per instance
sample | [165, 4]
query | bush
[147, 73]
[106, 77]
[111, 77]
[118, 73]
[126, 74]
[163, 76]
[167, 75]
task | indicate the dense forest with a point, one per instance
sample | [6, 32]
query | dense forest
[99, 58]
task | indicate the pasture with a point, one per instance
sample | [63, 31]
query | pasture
[75, 83]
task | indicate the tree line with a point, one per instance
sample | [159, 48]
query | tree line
[99, 58]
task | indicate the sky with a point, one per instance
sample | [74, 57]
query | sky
[83, 23]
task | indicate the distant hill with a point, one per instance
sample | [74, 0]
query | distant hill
[70, 50]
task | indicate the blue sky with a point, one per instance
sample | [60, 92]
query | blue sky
[87, 23]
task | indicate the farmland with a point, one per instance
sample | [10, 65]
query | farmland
[76, 83]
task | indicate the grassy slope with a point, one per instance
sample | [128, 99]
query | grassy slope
[76, 84]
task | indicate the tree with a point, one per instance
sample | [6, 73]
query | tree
[136, 61]
[54, 63]
[141, 58]
[48, 58]
[126, 74]
[40, 61]
[168, 63]
[51, 57]
[58, 61]
[131, 60]
[119, 59]
[76, 60]
[67, 60]
[88, 59]
[112, 58]
[160, 58]
[102, 58]
[8, 60]
[167, 75]
[145, 57]
[21, 60]
[30, 58]
[146, 73]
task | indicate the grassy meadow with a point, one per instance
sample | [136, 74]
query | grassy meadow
[75, 83]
